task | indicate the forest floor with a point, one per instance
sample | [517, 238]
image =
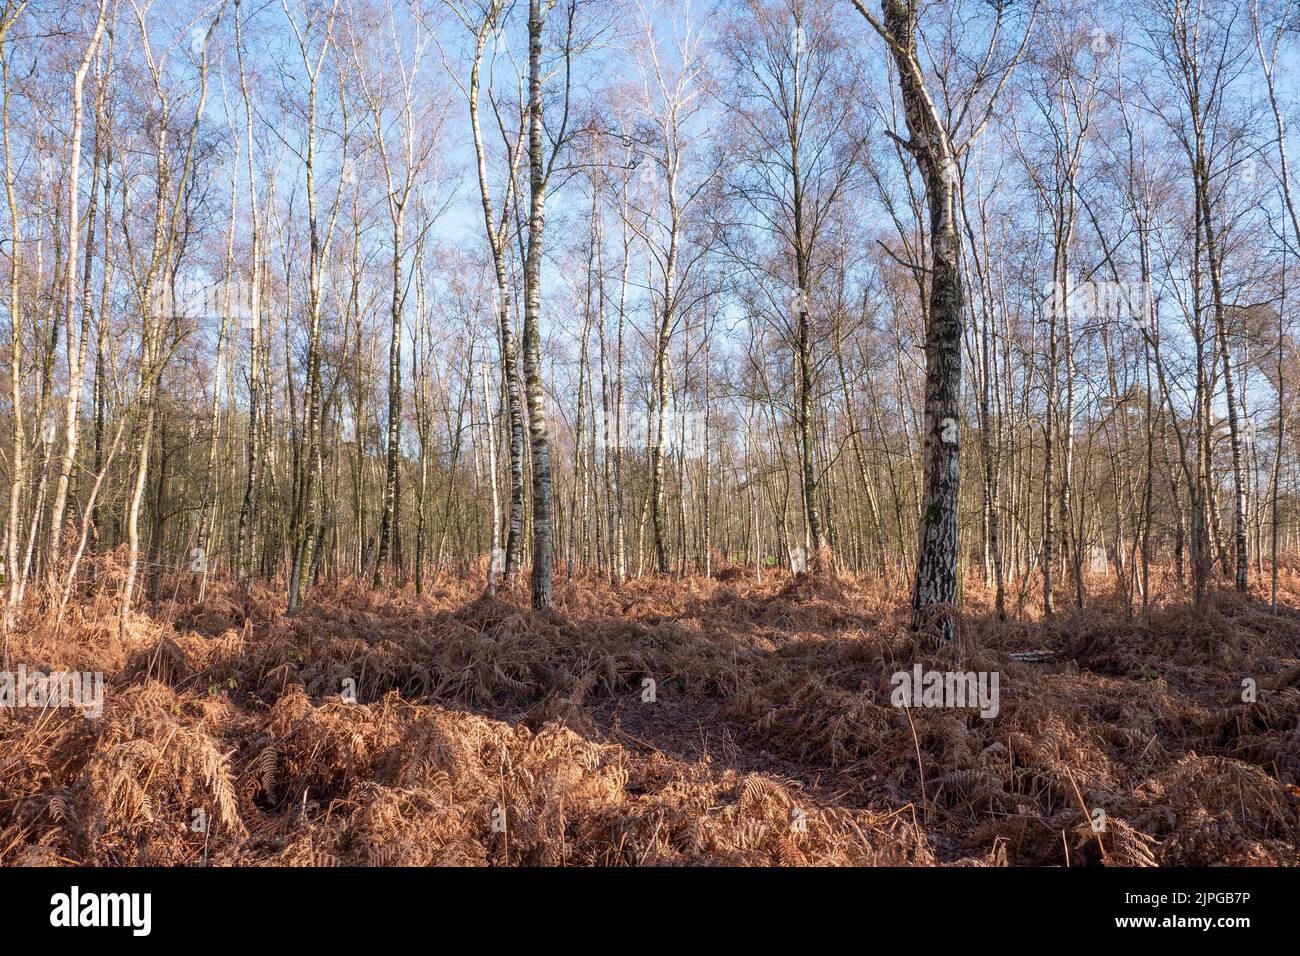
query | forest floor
[485, 733]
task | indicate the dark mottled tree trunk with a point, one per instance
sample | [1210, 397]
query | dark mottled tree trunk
[543, 506]
[935, 591]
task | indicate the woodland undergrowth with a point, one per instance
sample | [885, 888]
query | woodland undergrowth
[483, 732]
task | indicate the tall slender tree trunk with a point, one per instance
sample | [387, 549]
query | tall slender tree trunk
[77, 352]
[543, 506]
[935, 589]
[392, 460]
